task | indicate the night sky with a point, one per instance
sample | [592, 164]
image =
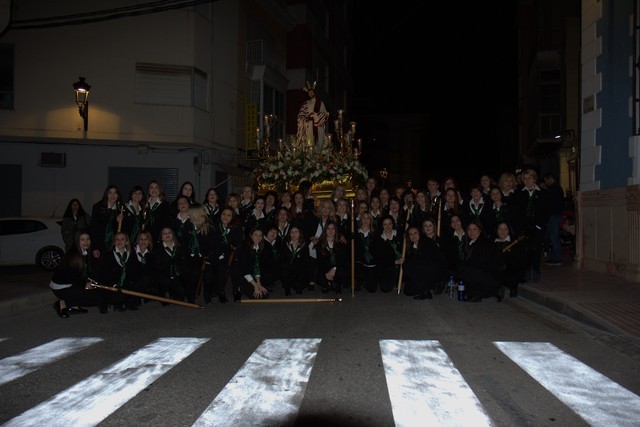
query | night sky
[455, 62]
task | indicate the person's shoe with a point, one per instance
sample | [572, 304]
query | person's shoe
[222, 298]
[287, 292]
[104, 308]
[77, 310]
[501, 292]
[237, 296]
[61, 312]
[120, 308]
[312, 286]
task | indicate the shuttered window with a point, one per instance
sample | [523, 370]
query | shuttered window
[159, 84]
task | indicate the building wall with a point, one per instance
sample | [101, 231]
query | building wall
[47, 190]
[608, 208]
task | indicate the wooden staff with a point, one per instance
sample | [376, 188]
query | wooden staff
[295, 300]
[353, 251]
[143, 295]
[439, 217]
[121, 220]
[512, 244]
[203, 267]
[404, 250]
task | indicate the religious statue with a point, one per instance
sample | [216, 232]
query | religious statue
[312, 117]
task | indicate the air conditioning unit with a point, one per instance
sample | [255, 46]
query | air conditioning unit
[52, 160]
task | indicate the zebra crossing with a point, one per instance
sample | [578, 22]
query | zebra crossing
[424, 386]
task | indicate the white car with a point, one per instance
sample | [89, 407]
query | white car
[31, 240]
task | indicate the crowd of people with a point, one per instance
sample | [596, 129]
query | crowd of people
[489, 237]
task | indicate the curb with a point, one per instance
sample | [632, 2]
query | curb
[26, 304]
[565, 308]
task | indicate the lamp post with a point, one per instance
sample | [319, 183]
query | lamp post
[82, 88]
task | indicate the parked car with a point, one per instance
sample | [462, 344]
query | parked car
[31, 240]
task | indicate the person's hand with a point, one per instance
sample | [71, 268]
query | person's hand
[330, 274]
[399, 261]
[315, 240]
[259, 291]
[96, 253]
[120, 217]
[343, 239]
[88, 285]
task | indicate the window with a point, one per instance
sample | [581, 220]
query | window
[273, 103]
[6, 77]
[171, 85]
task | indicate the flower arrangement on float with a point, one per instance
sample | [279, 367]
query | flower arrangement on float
[320, 163]
[325, 162]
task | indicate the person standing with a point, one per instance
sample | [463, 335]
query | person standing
[156, 213]
[75, 218]
[555, 206]
[531, 217]
[105, 217]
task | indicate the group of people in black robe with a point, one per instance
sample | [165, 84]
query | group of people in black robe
[416, 240]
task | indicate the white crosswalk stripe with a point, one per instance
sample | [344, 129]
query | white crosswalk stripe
[425, 388]
[269, 386]
[597, 399]
[423, 383]
[90, 401]
[30, 360]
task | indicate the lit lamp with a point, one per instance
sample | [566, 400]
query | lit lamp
[82, 88]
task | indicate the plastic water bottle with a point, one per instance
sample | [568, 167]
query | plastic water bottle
[451, 285]
[461, 295]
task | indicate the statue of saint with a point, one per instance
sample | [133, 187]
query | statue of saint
[312, 117]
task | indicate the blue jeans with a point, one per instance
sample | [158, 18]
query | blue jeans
[553, 233]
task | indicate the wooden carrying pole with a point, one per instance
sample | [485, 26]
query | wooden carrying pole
[278, 300]
[143, 295]
[404, 249]
[439, 217]
[353, 251]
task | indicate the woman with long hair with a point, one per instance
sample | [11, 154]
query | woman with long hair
[293, 261]
[388, 255]
[106, 215]
[134, 208]
[70, 282]
[156, 214]
[333, 266]
[254, 266]
[198, 249]
[424, 265]
[227, 239]
[365, 250]
[74, 219]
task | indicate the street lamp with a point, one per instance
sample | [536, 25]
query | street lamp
[82, 88]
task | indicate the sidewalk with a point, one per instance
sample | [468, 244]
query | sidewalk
[596, 299]
[599, 300]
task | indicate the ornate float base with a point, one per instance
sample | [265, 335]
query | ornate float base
[321, 190]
